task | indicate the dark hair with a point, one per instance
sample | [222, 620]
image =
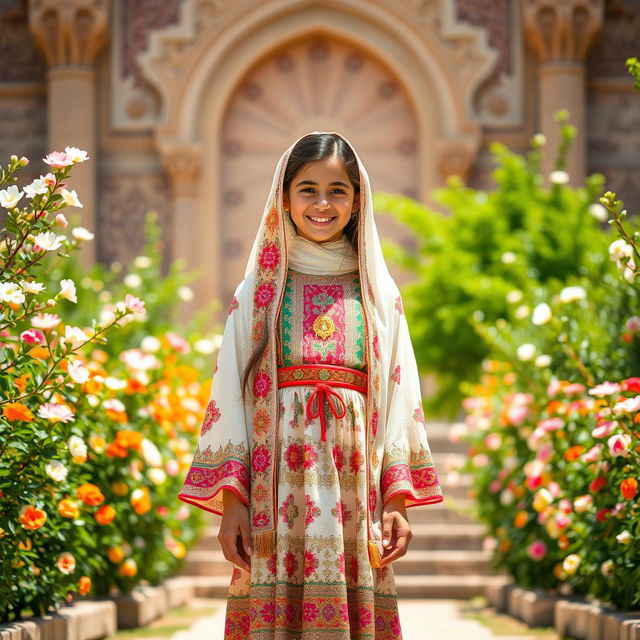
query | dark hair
[311, 148]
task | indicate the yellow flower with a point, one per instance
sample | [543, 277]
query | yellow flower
[68, 508]
[84, 585]
[119, 488]
[115, 554]
[141, 501]
[32, 518]
[128, 568]
[571, 563]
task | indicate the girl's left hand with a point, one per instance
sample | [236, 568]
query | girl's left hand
[396, 530]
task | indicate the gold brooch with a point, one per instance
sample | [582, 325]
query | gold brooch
[323, 327]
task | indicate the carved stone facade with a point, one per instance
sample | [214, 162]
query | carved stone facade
[194, 100]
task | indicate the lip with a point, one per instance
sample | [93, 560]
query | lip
[321, 225]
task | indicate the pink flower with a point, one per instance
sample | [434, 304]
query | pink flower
[260, 459]
[517, 413]
[290, 563]
[604, 428]
[269, 257]
[310, 563]
[630, 405]
[261, 384]
[61, 221]
[260, 520]
[554, 387]
[574, 388]
[268, 612]
[264, 294]
[338, 457]
[633, 324]
[356, 460]
[211, 416]
[33, 336]
[294, 456]
[605, 389]
[563, 520]
[537, 550]
[619, 445]
[134, 304]
[551, 424]
[58, 159]
[593, 454]
[309, 611]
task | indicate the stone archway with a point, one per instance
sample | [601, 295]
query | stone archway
[319, 83]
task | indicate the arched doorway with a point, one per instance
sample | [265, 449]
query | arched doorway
[320, 83]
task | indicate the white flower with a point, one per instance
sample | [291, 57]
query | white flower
[526, 352]
[56, 470]
[138, 360]
[522, 312]
[619, 249]
[506, 497]
[539, 139]
[77, 447]
[70, 198]
[157, 476]
[78, 372]
[150, 344]
[49, 241]
[604, 389]
[142, 262]
[45, 321]
[185, 293]
[630, 405]
[571, 294]
[508, 257]
[571, 563]
[628, 274]
[68, 290]
[113, 404]
[543, 360]
[11, 292]
[541, 314]
[598, 211]
[74, 335]
[133, 280]
[514, 296]
[75, 154]
[10, 196]
[606, 568]
[559, 177]
[37, 187]
[31, 287]
[624, 537]
[151, 454]
[55, 412]
[583, 503]
[204, 346]
[116, 384]
[80, 233]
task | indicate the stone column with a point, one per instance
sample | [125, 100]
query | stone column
[560, 33]
[70, 34]
[182, 164]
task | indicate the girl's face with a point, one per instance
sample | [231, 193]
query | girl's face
[321, 199]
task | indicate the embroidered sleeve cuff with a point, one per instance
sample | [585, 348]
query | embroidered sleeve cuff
[204, 484]
[420, 485]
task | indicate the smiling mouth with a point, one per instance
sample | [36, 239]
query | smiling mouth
[321, 221]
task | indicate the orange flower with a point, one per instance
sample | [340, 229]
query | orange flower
[90, 494]
[32, 518]
[68, 508]
[25, 546]
[629, 488]
[128, 568]
[521, 519]
[114, 450]
[563, 542]
[66, 563]
[84, 585]
[105, 514]
[115, 554]
[17, 411]
[573, 453]
[91, 386]
[504, 545]
[21, 382]
[120, 488]
[39, 352]
[117, 416]
[129, 439]
[597, 484]
[140, 501]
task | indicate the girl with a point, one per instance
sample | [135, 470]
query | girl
[314, 440]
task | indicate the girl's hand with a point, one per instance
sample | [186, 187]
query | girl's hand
[396, 530]
[234, 535]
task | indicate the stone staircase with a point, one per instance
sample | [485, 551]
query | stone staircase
[445, 560]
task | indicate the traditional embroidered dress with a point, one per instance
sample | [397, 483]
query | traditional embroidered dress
[333, 430]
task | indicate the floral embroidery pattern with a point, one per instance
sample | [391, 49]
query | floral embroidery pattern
[311, 511]
[261, 384]
[310, 456]
[294, 456]
[264, 294]
[399, 307]
[269, 257]
[211, 415]
[395, 376]
[260, 459]
[289, 511]
[310, 564]
[234, 305]
[418, 415]
[341, 513]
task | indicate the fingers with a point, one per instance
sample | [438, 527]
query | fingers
[246, 539]
[399, 542]
[230, 540]
[387, 529]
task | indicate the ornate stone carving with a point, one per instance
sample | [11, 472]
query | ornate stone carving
[182, 165]
[455, 158]
[69, 32]
[562, 30]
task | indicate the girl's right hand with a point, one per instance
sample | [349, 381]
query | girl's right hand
[234, 535]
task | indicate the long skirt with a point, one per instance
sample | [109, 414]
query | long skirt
[319, 583]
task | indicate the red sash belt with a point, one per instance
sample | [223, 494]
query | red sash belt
[323, 377]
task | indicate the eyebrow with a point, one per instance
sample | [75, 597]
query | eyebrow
[342, 184]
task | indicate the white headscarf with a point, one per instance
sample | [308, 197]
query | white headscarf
[237, 447]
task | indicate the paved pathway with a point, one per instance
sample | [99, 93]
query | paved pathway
[421, 620]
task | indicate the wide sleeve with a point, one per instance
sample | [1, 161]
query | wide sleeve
[221, 458]
[407, 464]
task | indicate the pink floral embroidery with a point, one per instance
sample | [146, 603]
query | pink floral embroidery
[365, 617]
[269, 612]
[311, 511]
[376, 347]
[272, 563]
[341, 513]
[340, 563]
[261, 384]
[260, 459]
[289, 511]
[328, 300]
[329, 612]
[310, 456]
[211, 415]
[310, 563]
[374, 423]
[234, 305]
[264, 294]
[356, 460]
[260, 520]
[399, 307]
[373, 499]
[418, 414]
[269, 257]
[294, 457]
[290, 563]
[395, 625]
[395, 376]
[344, 608]
[309, 611]
[338, 457]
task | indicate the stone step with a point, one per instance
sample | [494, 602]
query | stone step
[464, 536]
[408, 586]
[440, 561]
[446, 461]
[438, 436]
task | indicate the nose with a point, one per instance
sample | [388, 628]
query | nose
[323, 203]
